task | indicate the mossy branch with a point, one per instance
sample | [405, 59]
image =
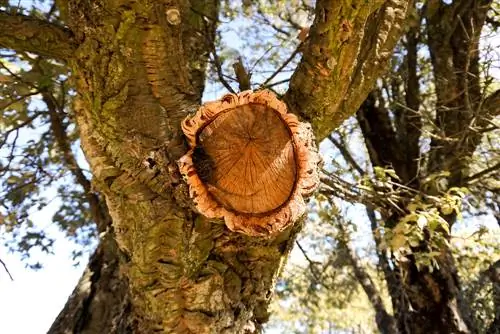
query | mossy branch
[29, 34]
[348, 47]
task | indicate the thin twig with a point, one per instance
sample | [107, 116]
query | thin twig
[312, 264]
[6, 269]
[482, 173]
[294, 53]
[218, 69]
[260, 58]
[347, 155]
[276, 83]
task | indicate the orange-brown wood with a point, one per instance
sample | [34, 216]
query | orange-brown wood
[253, 158]
[250, 162]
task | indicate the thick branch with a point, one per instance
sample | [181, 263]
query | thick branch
[380, 138]
[98, 209]
[453, 33]
[493, 273]
[347, 49]
[482, 173]
[185, 273]
[491, 104]
[410, 120]
[384, 265]
[242, 75]
[25, 33]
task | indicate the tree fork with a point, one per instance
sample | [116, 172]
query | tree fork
[139, 69]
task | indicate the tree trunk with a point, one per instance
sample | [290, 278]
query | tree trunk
[431, 301]
[100, 302]
[185, 273]
[139, 69]
[424, 301]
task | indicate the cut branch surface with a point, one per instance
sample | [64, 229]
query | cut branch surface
[250, 162]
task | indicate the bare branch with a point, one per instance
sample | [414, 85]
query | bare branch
[97, 207]
[28, 121]
[312, 264]
[276, 83]
[347, 155]
[342, 59]
[6, 269]
[281, 68]
[25, 33]
[242, 75]
[482, 173]
[385, 322]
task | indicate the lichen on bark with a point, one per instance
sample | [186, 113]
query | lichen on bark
[138, 74]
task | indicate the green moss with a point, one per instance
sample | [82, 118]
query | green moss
[128, 20]
[199, 247]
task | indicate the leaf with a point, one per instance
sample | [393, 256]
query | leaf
[393, 174]
[447, 209]
[421, 221]
[398, 241]
[13, 179]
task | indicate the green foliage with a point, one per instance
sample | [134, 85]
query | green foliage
[475, 253]
[424, 232]
[32, 162]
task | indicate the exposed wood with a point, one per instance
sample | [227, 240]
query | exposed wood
[248, 144]
[139, 68]
[250, 162]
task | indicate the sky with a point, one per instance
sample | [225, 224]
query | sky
[30, 303]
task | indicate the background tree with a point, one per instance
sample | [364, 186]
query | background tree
[430, 137]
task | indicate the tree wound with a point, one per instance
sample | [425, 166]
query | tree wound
[250, 162]
[246, 156]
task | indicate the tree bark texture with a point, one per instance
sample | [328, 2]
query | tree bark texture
[139, 70]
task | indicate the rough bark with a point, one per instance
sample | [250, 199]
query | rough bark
[347, 49]
[493, 275]
[424, 301]
[185, 273]
[26, 33]
[100, 302]
[139, 69]
[386, 322]
[453, 34]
